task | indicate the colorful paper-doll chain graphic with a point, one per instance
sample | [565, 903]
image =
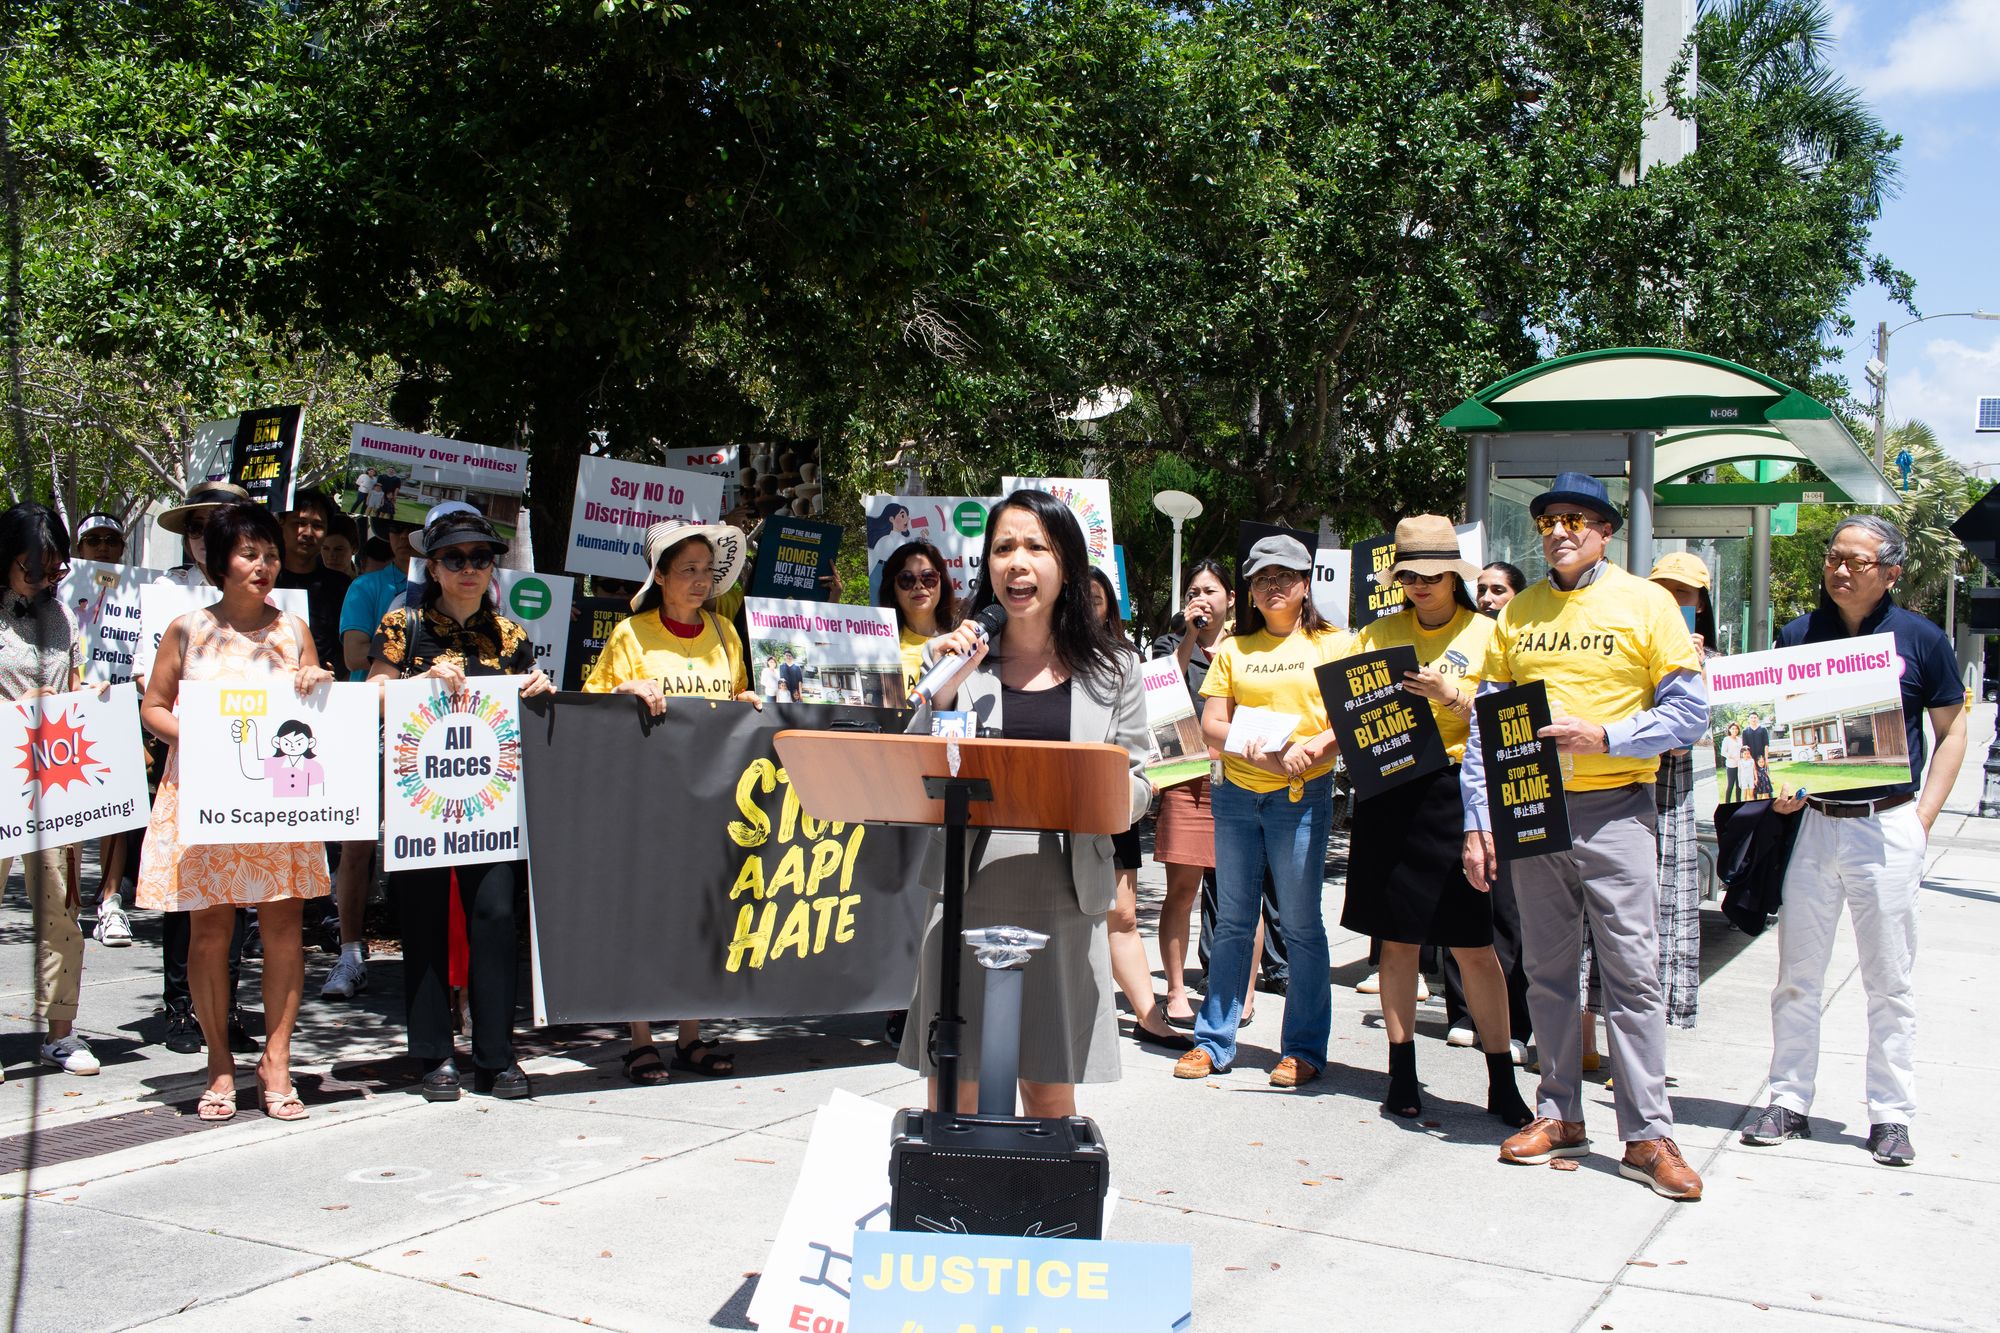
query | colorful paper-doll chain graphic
[406, 765]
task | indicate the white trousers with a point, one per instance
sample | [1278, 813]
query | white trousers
[1873, 865]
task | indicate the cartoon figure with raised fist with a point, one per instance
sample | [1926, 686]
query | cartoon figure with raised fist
[291, 768]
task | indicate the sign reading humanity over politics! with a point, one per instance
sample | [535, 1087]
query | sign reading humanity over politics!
[260, 764]
[451, 773]
[1524, 781]
[617, 500]
[955, 524]
[916, 1280]
[1179, 752]
[767, 911]
[1388, 736]
[76, 766]
[824, 653]
[1827, 717]
[400, 474]
[105, 601]
[1089, 498]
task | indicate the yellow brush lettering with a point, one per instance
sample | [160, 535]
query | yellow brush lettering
[853, 855]
[796, 933]
[753, 942]
[826, 857]
[755, 826]
[823, 910]
[750, 879]
[790, 874]
[843, 929]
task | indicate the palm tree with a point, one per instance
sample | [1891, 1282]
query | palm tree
[1937, 494]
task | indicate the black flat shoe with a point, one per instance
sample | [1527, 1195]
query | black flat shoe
[183, 1036]
[1184, 1024]
[441, 1084]
[240, 1040]
[1172, 1041]
[507, 1083]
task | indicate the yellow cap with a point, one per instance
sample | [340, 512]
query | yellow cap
[1682, 568]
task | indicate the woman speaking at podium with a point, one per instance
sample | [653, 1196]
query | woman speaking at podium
[1054, 674]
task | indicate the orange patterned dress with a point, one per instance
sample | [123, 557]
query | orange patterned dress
[178, 878]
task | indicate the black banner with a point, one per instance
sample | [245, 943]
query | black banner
[1388, 736]
[1367, 599]
[265, 455]
[589, 627]
[793, 554]
[675, 876]
[1524, 789]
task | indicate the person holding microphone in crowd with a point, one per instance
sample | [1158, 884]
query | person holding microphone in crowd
[1055, 673]
[242, 638]
[1273, 810]
[1624, 686]
[916, 585]
[453, 635]
[671, 646]
[1864, 848]
[1405, 884]
[41, 654]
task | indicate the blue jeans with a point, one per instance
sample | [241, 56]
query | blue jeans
[1255, 830]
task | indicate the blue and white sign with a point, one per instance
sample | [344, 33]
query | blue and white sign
[916, 1281]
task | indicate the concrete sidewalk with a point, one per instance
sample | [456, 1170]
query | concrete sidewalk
[653, 1208]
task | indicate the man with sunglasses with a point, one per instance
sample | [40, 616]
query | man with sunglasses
[1866, 849]
[1625, 686]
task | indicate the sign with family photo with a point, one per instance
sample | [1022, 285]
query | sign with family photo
[401, 474]
[1179, 752]
[1524, 780]
[824, 653]
[1388, 736]
[1823, 717]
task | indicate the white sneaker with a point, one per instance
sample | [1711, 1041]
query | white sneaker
[1370, 984]
[1461, 1034]
[1423, 989]
[70, 1054]
[347, 980]
[114, 928]
[1519, 1051]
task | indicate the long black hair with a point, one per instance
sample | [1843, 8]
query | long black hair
[947, 600]
[231, 523]
[30, 534]
[1084, 644]
[1111, 616]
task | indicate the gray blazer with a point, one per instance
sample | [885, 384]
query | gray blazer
[1120, 721]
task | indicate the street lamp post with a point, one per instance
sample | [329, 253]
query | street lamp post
[1178, 506]
[1878, 369]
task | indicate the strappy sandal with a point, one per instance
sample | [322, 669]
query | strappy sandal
[284, 1105]
[645, 1067]
[216, 1106]
[704, 1057]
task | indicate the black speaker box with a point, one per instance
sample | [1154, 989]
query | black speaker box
[998, 1176]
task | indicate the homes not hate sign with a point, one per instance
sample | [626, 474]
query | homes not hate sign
[617, 500]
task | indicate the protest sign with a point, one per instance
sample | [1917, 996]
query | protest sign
[1248, 534]
[914, 1280]
[1179, 753]
[1524, 787]
[79, 766]
[408, 473]
[824, 653]
[539, 603]
[1388, 736]
[843, 1188]
[1089, 498]
[451, 773]
[617, 500]
[263, 459]
[793, 555]
[724, 462]
[1332, 574]
[164, 601]
[1369, 600]
[955, 524]
[765, 912]
[260, 764]
[1827, 717]
[589, 627]
[105, 601]
[209, 451]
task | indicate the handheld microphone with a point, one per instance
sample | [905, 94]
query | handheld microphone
[988, 624]
[1199, 622]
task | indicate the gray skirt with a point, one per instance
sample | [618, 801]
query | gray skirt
[1069, 1026]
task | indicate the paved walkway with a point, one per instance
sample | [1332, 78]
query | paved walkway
[653, 1208]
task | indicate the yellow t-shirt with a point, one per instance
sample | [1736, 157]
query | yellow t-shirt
[1456, 650]
[912, 644]
[1600, 650]
[708, 666]
[1263, 671]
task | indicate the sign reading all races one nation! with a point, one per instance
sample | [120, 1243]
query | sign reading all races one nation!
[76, 766]
[1524, 785]
[260, 764]
[1089, 498]
[1388, 736]
[451, 773]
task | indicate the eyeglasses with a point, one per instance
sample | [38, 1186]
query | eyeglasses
[1855, 564]
[1409, 576]
[458, 561]
[1275, 578]
[1570, 523]
[47, 574]
[909, 580]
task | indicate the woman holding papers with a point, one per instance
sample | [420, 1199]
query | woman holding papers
[916, 585]
[452, 634]
[241, 637]
[1404, 883]
[1273, 808]
[1054, 674]
[672, 646]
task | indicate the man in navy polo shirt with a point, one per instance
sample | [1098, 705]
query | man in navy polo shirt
[1865, 849]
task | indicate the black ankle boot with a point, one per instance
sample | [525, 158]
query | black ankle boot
[1503, 1100]
[1404, 1097]
[441, 1083]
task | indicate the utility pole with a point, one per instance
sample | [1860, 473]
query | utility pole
[1878, 375]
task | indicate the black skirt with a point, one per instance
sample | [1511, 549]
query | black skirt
[1405, 879]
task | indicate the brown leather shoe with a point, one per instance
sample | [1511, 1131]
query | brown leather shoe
[1197, 1063]
[1543, 1139]
[1658, 1163]
[1292, 1071]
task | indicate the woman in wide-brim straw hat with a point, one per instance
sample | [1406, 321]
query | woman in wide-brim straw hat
[1405, 886]
[671, 646]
